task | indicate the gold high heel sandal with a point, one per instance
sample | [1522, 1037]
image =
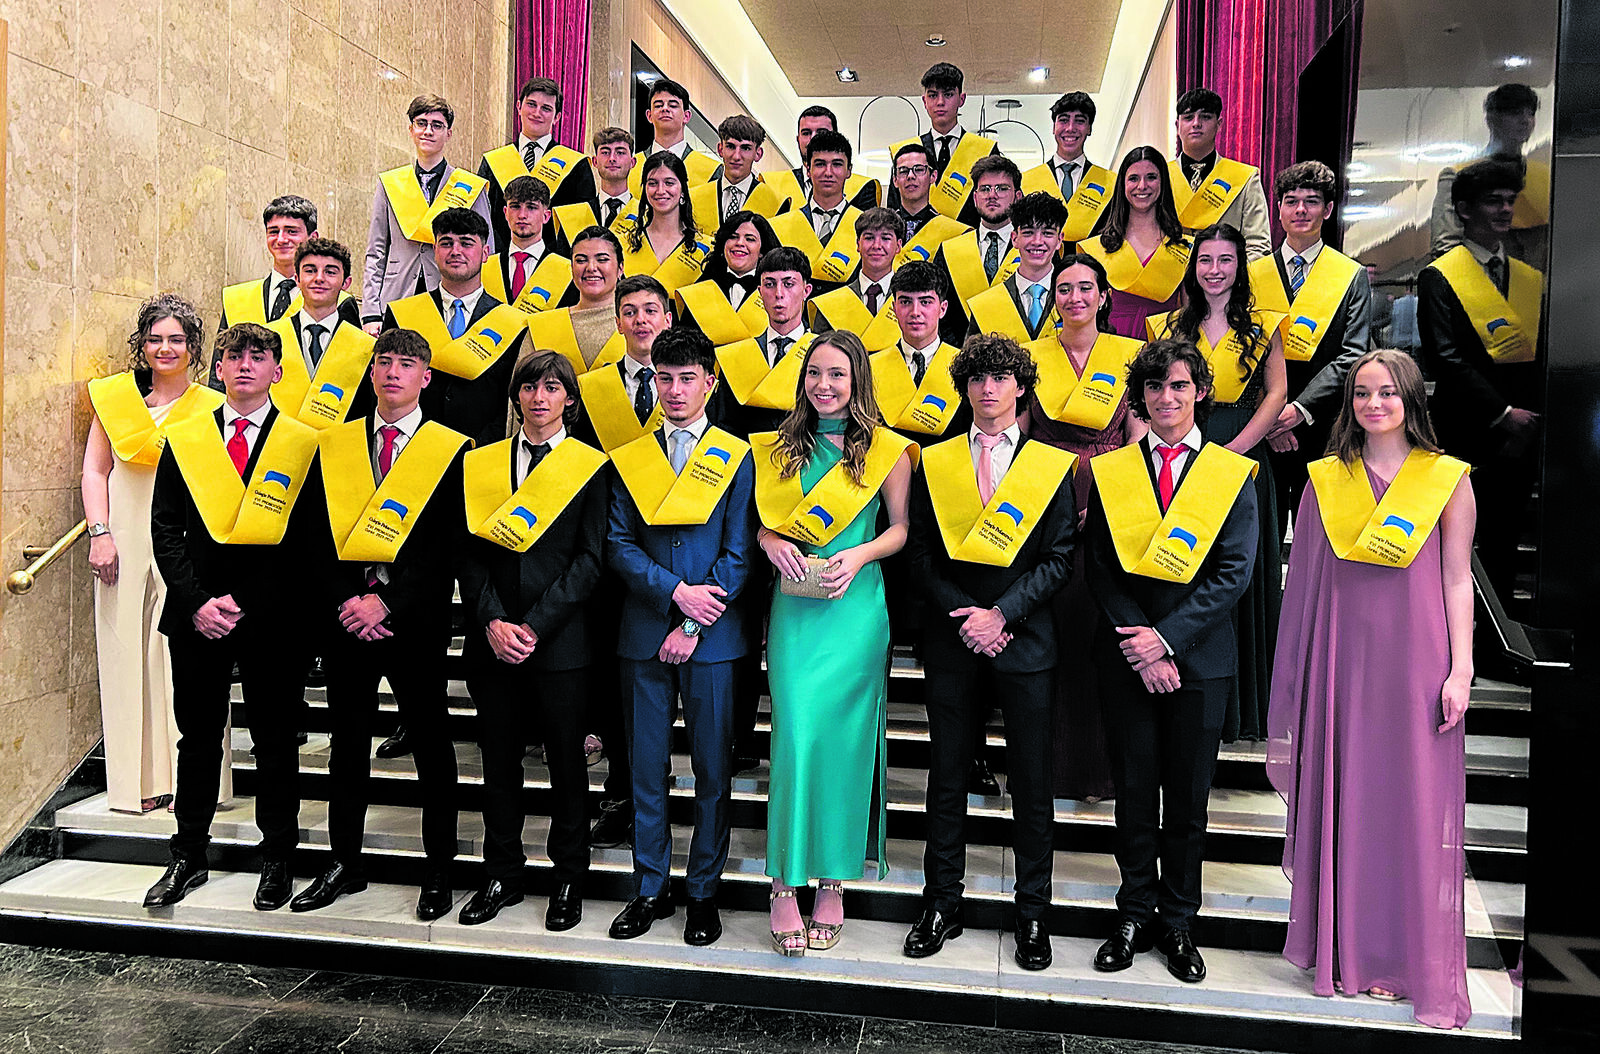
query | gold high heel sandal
[821, 936]
[788, 943]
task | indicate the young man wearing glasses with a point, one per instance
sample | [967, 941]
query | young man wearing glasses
[913, 178]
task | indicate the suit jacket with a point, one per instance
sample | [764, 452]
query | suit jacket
[1196, 620]
[1318, 384]
[1470, 390]
[394, 262]
[1021, 591]
[1011, 286]
[349, 311]
[548, 587]
[651, 561]
[730, 415]
[578, 186]
[196, 567]
[865, 197]
[476, 408]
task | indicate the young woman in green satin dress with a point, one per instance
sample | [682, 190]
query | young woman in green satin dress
[828, 659]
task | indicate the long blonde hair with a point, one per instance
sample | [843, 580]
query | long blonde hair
[797, 435]
[1348, 438]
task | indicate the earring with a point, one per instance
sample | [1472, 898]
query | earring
[684, 200]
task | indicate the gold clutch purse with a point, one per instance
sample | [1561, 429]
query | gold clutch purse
[810, 586]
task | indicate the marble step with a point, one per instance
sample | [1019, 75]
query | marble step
[974, 974]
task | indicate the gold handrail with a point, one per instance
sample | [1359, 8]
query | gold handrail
[22, 581]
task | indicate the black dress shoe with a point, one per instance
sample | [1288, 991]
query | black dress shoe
[701, 923]
[930, 932]
[274, 888]
[183, 874]
[317, 676]
[636, 917]
[566, 908]
[614, 828]
[329, 887]
[981, 781]
[487, 902]
[1117, 953]
[1183, 958]
[395, 746]
[436, 898]
[1033, 945]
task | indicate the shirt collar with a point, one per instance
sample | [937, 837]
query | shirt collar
[1191, 439]
[534, 248]
[1005, 237]
[1013, 433]
[866, 283]
[543, 142]
[677, 151]
[696, 428]
[522, 437]
[329, 323]
[274, 279]
[424, 173]
[257, 417]
[1482, 253]
[469, 302]
[1309, 255]
[955, 130]
[795, 334]
[744, 187]
[927, 352]
[1189, 164]
[631, 366]
[408, 424]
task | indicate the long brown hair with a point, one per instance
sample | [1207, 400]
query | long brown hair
[1113, 228]
[1348, 438]
[797, 435]
[1241, 302]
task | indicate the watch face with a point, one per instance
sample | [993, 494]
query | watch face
[691, 628]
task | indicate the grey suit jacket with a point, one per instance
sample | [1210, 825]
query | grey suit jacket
[395, 262]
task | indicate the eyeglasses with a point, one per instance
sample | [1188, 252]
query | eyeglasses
[429, 126]
[913, 171]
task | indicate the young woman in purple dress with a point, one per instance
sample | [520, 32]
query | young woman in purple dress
[1373, 670]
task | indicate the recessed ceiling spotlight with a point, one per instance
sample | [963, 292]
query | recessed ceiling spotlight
[846, 75]
[1516, 62]
[936, 41]
[1039, 74]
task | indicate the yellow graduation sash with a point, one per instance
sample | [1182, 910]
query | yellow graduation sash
[949, 196]
[753, 382]
[993, 533]
[1156, 280]
[842, 309]
[686, 498]
[411, 209]
[324, 399]
[235, 514]
[834, 262]
[1533, 204]
[552, 331]
[1390, 532]
[605, 398]
[516, 520]
[1171, 547]
[817, 516]
[549, 282]
[697, 166]
[506, 163]
[963, 260]
[1089, 197]
[242, 303]
[573, 218]
[927, 408]
[370, 522]
[468, 355]
[995, 312]
[1091, 400]
[792, 194]
[924, 245]
[135, 437]
[705, 305]
[1508, 326]
[763, 200]
[1228, 381]
[683, 267]
[1306, 321]
[1201, 208]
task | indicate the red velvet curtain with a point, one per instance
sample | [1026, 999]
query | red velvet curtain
[553, 41]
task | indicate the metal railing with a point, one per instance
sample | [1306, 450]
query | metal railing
[19, 582]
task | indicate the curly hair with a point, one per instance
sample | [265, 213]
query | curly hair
[647, 212]
[717, 264]
[797, 435]
[153, 310]
[1253, 340]
[993, 355]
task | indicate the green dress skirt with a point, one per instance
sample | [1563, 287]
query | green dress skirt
[828, 669]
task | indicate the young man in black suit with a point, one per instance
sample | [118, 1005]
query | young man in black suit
[978, 259]
[236, 475]
[613, 161]
[316, 387]
[1022, 305]
[1165, 650]
[992, 531]
[536, 507]
[529, 262]
[913, 179]
[794, 187]
[394, 501]
[784, 280]
[951, 147]
[735, 186]
[828, 160]
[535, 152]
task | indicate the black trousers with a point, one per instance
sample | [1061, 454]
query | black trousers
[605, 716]
[414, 667]
[954, 694]
[272, 669]
[1503, 487]
[516, 704]
[1163, 755]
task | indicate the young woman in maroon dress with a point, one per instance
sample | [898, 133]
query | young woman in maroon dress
[1141, 243]
[1093, 422]
[1373, 671]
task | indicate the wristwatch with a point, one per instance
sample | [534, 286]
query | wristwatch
[691, 628]
[97, 529]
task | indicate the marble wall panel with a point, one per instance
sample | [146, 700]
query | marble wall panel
[41, 143]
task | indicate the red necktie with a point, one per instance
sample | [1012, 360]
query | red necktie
[238, 449]
[386, 455]
[1169, 454]
[518, 277]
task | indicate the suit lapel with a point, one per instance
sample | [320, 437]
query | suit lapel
[266, 297]
[486, 304]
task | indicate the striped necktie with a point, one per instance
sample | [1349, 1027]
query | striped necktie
[1297, 275]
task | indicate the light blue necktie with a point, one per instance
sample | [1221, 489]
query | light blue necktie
[1297, 274]
[682, 443]
[458, 319]
[1035, 305]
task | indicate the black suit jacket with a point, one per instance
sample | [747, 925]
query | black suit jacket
[729, 414]
[475, 408]
[548, 587]
[1021, 591]
[1196, 620]
[1318, 384]
[260, 578]
[349, 311]
[1022, 311]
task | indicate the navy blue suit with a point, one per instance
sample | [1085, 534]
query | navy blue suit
[651, 561]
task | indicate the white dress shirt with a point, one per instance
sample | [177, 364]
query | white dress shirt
[631, 368]
[999, 457]
[523, 451]
[252, 432]
[543, 143]
[696, 429]
[1079, 166]
[534, 249]
[827, 219]
[1192, 442]
[408, 426]
[677, 150]
[274, 280]
[745, 189]
[328, 324]
[927, 353]
[863, 284]
[794, 336]
[469, 304]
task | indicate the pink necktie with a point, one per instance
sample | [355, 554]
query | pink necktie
[1169, 454]
[986, 445]
[386, 455]
[519, 275]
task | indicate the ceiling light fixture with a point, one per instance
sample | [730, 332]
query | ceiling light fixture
[1516, 62]
[846, 75]
[936, 41]
[1040, 74]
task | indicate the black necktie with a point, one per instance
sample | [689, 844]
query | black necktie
[643, 404]
[1497, 273]
[942, 162]
[280, 303]
[535, 455]
[874, 298]
[613, 207]
[781, 346]
[991, 256]
[316, 333]
[919, 367]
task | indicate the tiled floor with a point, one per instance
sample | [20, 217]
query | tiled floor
[89, 1002]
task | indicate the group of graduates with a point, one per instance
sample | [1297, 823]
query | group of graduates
[665, 336]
